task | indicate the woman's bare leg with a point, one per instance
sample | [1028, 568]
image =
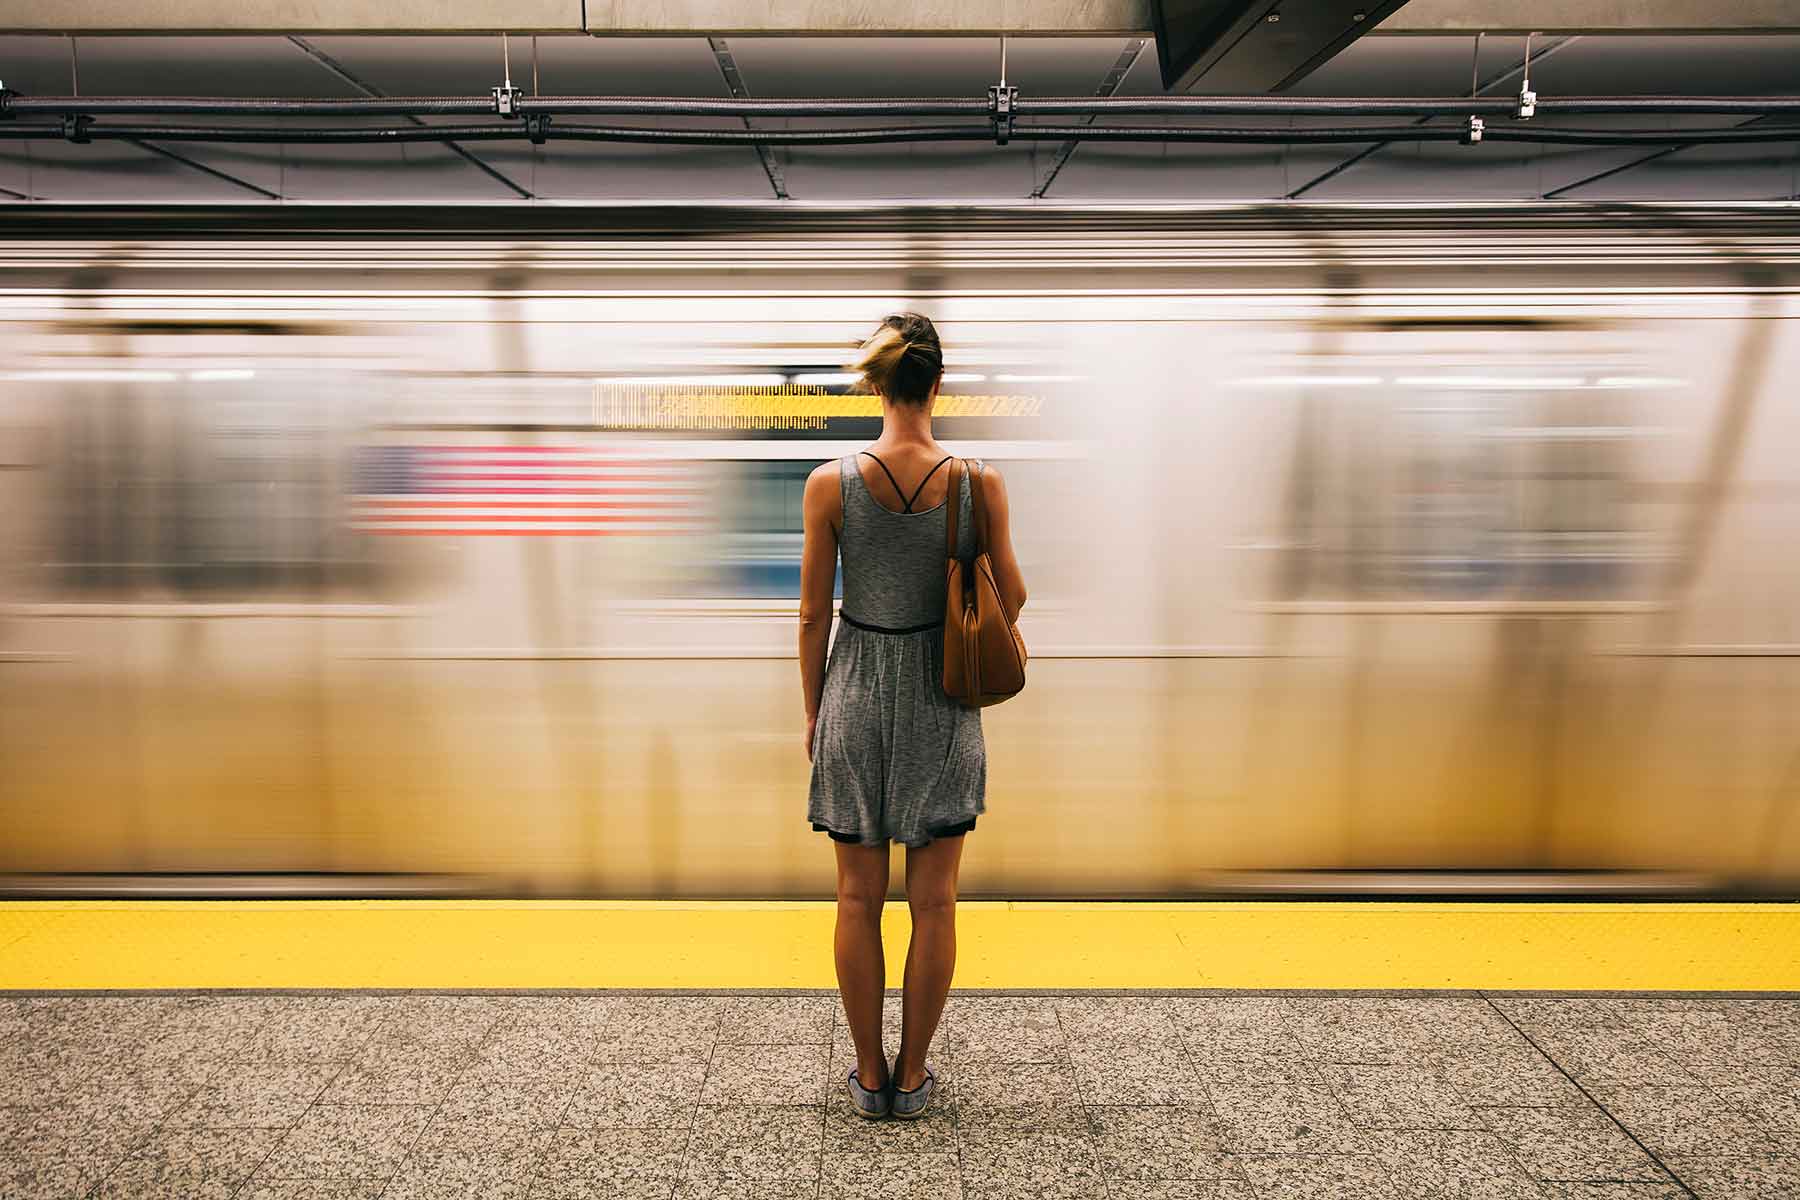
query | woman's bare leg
[862, 884]
[931, 957]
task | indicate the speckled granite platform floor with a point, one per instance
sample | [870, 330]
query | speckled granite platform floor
[1158, 1096]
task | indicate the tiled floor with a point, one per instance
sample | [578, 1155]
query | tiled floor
[1223, 1097]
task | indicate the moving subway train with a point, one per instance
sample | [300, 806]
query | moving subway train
[364, 550]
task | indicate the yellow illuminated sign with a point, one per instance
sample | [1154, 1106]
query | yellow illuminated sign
[789, 406]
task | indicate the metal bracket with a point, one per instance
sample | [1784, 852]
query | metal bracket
[6, 95]
[506, 96]
[1472, 134]
[534, 127]
[1527, 97]
[1002, 101]
[75, 127]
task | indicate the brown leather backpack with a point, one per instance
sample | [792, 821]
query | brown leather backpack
[984, 656]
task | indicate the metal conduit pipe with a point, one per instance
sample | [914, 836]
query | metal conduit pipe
[447, 106]
[1641, 137]
[91, 131]
[12, 104]
[1376, 106]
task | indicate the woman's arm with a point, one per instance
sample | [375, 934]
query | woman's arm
[821, 508]
[1007, 576]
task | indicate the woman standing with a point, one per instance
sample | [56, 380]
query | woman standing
[892, 755]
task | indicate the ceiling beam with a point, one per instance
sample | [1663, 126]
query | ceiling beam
[1557, 193]
[1246, 47]
[1109, 83]
[1511, 73]
[1594, 16]
[827, 18]
[292, 16]
[152, 148]
[847, 18]
[368, 89]
[196, 165]
[734, 81]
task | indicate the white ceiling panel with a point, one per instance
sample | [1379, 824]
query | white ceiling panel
[579, 171]
[1766, 172]
[583, 66]
[881, 66]
[1411, 66]
[164, 66]
[1675, 66]
[1489, 171]
[912, 171]
[107, 173]
[1122, 172]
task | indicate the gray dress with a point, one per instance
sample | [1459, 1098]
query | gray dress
[893, 755]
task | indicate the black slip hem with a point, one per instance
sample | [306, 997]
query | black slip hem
[961, 827]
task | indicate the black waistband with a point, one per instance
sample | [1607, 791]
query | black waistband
[850, 620]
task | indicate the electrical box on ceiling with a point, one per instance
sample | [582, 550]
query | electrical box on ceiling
[1246, 47]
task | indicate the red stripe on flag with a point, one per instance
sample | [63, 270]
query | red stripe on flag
[546, 491]
[530, 450]
[459, 460]
[440, 473]
[589, 517]
[520, 532]
[382, 502]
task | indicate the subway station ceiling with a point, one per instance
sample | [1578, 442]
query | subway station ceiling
[340, 66]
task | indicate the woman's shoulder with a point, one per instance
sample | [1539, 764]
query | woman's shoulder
[827, 473]
[985, 471]
[823, 494]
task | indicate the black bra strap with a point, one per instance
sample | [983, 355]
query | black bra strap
[888, 473]
[924, 481]
[908, 501]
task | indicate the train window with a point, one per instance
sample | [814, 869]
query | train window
[761, 531]
[210, 490]
[1476, 488]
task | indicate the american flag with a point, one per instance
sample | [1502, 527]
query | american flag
[521, 491]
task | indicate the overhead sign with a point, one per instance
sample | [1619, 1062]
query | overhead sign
[1248, 47]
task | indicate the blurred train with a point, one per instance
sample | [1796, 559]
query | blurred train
[1369, 548]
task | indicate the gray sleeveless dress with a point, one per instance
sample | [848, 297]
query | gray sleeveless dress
[893, 755]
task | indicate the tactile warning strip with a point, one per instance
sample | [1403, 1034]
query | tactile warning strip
[738, 944]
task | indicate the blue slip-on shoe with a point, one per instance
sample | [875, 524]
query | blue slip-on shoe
[908, 1106]
[873, 1104]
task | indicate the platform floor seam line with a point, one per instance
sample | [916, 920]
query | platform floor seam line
[1591, 1099]
[307, 1112]
[269, 1018]
[956, 1117]
[687, 1146]
[438, 1108]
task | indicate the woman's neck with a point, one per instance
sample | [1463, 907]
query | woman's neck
[905, 425]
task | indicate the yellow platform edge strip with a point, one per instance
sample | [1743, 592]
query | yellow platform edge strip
[104, 944]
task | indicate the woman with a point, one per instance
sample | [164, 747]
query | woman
[892, 755]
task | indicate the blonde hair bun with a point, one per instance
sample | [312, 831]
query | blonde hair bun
[902, 360]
